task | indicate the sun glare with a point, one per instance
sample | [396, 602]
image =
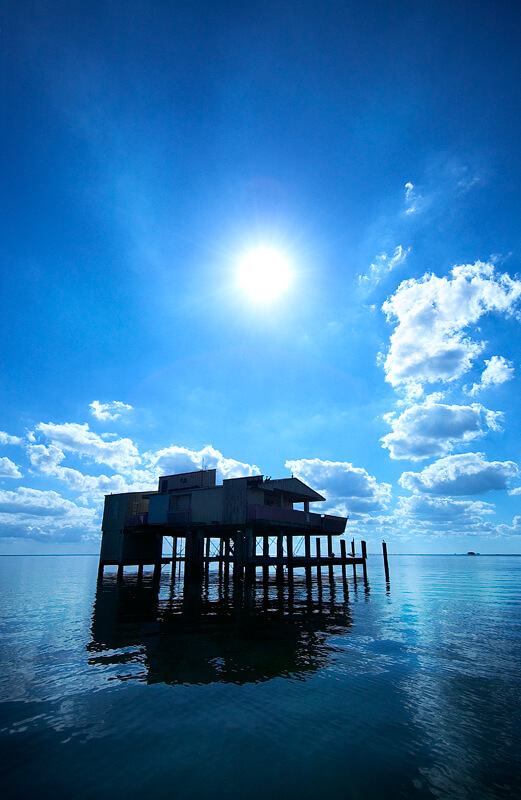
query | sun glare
[264, 274]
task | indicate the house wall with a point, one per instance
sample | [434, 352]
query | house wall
[158, 508]
[207, 505]
[117, 507]
[235, 500]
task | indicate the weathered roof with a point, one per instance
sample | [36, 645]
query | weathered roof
[294, 487]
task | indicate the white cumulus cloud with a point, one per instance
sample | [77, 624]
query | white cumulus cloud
[119, 454]
[348, 489]
[497, 370]
[464, 474]
[438, 516]
[181, 459]
[429, 430]
[8, 469]
[431, 315]
[47, 461]
[108, 411]
[33, 514]
[6, 438]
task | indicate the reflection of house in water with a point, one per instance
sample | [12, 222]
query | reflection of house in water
[234, 633]
[230, 524]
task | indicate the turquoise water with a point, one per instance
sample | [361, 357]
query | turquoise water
[134, 689]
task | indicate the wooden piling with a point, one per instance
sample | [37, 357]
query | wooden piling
[280, 555]
[227, 559]
[319, 570]
[386, 563]
[364, 563]
[343, 554]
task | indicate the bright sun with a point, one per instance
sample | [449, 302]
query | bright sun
[264, 274]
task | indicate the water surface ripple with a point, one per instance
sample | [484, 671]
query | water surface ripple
[404, 691]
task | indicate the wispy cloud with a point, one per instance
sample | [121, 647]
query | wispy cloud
[412, 199]
[382, 266]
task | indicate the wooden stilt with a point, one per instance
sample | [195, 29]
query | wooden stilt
[386, 563]
[174, 555]
[265, 553]
[227, 559]
[319, 569]
[343, 554]
[364, 563]
[280, 554]
[120, 571]
[140, 572]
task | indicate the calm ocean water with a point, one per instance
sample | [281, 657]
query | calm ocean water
[136, 690]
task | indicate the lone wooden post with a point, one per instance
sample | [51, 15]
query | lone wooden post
[386, 563]
[364, 563]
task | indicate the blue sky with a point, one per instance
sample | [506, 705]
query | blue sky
[374, 147]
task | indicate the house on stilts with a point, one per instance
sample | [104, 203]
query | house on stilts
[244, 523]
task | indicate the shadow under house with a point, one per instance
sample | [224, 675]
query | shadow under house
[246, 523]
